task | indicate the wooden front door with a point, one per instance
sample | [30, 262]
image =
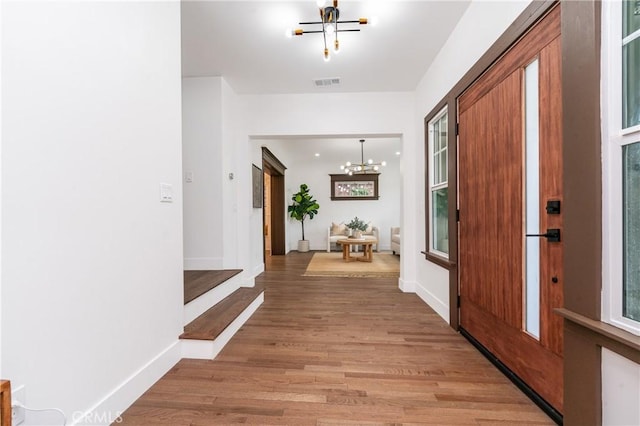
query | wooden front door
[510, 180]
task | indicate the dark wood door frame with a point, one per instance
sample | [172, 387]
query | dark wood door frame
[584, 333]
[274, 167]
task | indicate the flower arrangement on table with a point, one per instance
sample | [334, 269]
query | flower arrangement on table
[357, 227]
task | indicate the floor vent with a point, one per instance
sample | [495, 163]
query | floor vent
[326, 82]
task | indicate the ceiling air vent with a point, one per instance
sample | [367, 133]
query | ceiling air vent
[326, 82]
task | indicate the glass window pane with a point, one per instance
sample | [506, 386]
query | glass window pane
[443, 166]
[440, 220]
[532, 199]
[631, 17]
[631, 83]
[631, 231]
[443, 132]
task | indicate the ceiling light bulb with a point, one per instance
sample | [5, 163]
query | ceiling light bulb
[375, 168]
[348, 163]
[370, 161]
[384, 163]
[341, 167]
[330, 29]
[350, 173]
[374, 21]
[347, 171]
[321, 3]
[336, 46]
[289, 33]
[397, 152]
[327, 58]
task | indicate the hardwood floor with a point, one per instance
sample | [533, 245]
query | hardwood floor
[329, 351]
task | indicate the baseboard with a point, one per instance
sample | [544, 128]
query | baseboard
[205, 349]
[406, 286]
[257, 271]
[109, 409]
[202, 263]
[436, 304]
[197, 306]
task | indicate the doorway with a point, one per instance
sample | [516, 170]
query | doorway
[273, 219]
[510, 200]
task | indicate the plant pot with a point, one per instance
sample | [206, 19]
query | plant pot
[357, 234]
[303, 246]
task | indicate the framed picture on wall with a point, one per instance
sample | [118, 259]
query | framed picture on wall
[256, 184]
[354, 187]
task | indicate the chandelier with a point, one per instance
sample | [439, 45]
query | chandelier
[329, 19]
[361, 168]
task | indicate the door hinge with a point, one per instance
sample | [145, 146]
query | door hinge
[457, 129]
[458, 301]
[458, 215]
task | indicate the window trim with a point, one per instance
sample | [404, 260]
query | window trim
[614, 137]
[432, 254]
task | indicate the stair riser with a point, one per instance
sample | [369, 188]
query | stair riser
[197, 307]
[209, 349]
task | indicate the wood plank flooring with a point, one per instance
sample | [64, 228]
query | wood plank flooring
[337, 351]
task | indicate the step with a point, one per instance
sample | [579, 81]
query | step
[197, 283]
[204, 337]
[196, 307]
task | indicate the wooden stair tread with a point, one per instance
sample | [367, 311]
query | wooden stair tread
[214, 320]
[197, 283]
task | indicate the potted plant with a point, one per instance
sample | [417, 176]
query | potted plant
[357, 227]
[303, 206]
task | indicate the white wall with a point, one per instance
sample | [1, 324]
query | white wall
[479, 28]
[620, 390]
[202, 156]
[381, 213]
[1, 138]
[92, 261]
[377, 113]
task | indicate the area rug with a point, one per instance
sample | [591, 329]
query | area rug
[384, 265]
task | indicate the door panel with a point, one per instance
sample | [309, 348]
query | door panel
[491, 188]
[492, 243]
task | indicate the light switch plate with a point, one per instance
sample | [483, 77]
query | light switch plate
[166, 193]
[188, 177]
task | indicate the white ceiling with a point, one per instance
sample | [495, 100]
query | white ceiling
[245, 42]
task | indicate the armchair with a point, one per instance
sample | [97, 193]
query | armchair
[395, 240]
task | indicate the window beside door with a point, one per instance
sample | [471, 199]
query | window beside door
[438, 170]
[621, 164]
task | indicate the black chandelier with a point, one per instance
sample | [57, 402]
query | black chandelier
[329, 19]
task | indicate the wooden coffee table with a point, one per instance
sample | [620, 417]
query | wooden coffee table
[367, 248]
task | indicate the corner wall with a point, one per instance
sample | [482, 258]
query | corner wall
[202, 162]
[92, 260]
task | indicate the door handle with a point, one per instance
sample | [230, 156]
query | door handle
[552, 235]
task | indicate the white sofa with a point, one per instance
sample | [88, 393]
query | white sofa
[339, 231]
[395, 240]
